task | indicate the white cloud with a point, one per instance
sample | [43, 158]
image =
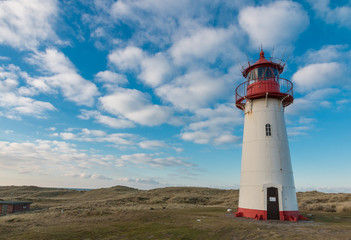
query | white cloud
[152, 144]
[121, 9]
[195, 90]
[300, 130]
[327, 71]
[62, 75]
[106, 120]
[226, 139]
[67, 136]
[210, 137]
[178, 149]
[95, 133]
[161, 21]
[3, 58]
[48, 157]
[12, 99]
[119, 140]
[152, 160]
[93, 176]
[276, 23]
[204, 44]
[27, 106]
[87, 135]
[328, 53]
[154, 69]
[7, 84]
[26, 24]
[158, 20]
[318, 75]
[339, 15]
[144, 181]
[214, 126]
[111, 77]
[151, 70]
[312, 100]
[325, 189]
[304, 120]
[135, 106]
[128, 58]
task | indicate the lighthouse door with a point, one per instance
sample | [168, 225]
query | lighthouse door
[272, 203]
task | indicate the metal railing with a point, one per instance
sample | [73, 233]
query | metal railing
[276, 86]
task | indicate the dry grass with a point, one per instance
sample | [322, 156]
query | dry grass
[324, 202]
[167, 213]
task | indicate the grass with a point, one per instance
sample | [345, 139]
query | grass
[168, 213]
[325, 202]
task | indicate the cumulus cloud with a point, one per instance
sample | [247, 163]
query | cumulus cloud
[61, 74]
[110, 78]
[26, 24]
[313, 100]
[25, 105]
[325, 189]
[149, 181]
[93, 176]
[318, 75]
[152, 144]
[328, 53]
[127, 59]
[340, 15]
[161, 21]
[152, 160]
[3, 58]
[151, 70]
[273, 24]
[14, 100]
[158, 20]
[195, 90]
[67, 136]
[47, 157]
[120, 140]
[204, 44]
[213, 126]
[154, 70]
[135, 106]
[106, 120]
[91, 135]
[300, 130]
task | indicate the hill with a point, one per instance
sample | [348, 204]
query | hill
[165, 213]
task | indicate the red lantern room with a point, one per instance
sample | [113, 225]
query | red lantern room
[262, 81]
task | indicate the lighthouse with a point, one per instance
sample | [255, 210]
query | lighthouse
[267, 189]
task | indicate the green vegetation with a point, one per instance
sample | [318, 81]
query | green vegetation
[167, 213]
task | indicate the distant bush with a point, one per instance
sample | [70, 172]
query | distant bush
[324, 202]
[344, 207]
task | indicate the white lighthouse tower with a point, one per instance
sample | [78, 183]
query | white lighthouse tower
[267, 189]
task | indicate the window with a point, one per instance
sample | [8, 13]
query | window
[262, 73]
[270, 73]
[253, 74]
[268, 130]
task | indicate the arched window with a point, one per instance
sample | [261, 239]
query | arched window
[268, 130]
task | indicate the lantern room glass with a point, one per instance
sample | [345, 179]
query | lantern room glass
[263, 73]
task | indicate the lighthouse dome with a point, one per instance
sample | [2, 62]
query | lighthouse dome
[273, 63]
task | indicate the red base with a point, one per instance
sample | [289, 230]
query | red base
[293, 216]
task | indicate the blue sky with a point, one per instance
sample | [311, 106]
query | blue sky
[141, 92]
